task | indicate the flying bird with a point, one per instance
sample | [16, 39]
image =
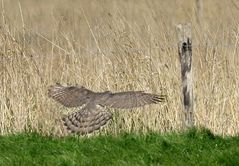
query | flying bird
[92, 115]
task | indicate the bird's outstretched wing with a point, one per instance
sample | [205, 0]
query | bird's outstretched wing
[85, 121]
[130, 99]
[70, 96]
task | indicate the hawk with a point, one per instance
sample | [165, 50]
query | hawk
[92, 114]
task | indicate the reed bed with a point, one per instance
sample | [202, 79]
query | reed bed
[117, 46]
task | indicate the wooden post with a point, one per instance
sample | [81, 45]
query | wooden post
[185, 56]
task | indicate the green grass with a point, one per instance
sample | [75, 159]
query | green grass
[194, 147]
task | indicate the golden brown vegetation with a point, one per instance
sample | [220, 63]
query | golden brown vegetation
[117, 45]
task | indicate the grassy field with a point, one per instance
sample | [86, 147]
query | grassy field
[117, 46]
[194, 147]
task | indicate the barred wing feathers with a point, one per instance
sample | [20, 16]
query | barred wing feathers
[71, 96]
[131, 99]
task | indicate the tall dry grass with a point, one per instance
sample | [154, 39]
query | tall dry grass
[117, 46]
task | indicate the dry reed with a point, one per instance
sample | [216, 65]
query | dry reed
[117, 46]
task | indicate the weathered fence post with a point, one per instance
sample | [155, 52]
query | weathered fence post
[185, 56]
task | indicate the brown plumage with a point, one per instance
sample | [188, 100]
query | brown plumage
[93, 116]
